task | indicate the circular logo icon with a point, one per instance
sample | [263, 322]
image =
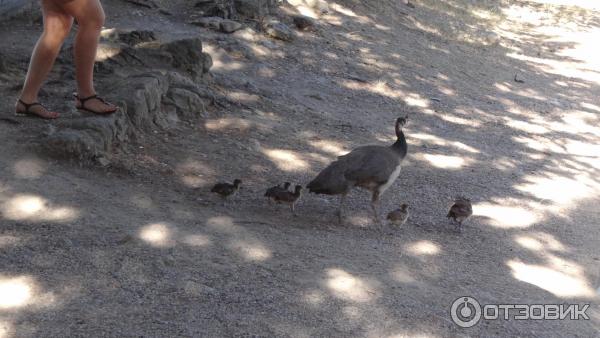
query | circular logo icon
[466, 312]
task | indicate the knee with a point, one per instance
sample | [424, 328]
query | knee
[56, 29]
[93, 21]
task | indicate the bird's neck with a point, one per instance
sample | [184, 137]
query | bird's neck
[400, 145]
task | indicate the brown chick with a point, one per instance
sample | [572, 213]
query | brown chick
[226, 189]
[269, 193]
[460, 211]
[288, 197]
[399, 216]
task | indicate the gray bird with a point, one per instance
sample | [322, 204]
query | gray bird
[226, 190]
[288, 197]
[460, 211]
[374, 168]
[399, 216]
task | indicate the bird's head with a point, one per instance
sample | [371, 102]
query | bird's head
[404, 207]
[237, 182]
[298, 189]
[286, 185]
[462, 199]
[400, 123]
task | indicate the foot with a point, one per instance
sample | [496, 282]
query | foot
[34, 109]
[95, 104]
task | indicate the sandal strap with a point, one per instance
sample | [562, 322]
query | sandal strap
[29, 105]
[83, 100]
[82, 104]
[45, 115]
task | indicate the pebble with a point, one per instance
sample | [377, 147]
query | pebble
[230, 26]
[303, 22]
[519, 78]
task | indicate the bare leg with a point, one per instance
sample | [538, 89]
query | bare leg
[90, 18]
[57, 25]
[292, 207]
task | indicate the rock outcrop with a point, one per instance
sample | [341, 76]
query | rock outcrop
[278, 30]
[234, 9]
[154, 83]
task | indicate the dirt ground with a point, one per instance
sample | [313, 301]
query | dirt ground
[502, 98]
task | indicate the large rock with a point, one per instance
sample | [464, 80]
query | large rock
[89, 137]
[303, 22]
[219, 8]
[129, 37]
[280, 31]
[231, 9]
[187, 98]
[207, 63]
[254, 8]
[213, 22]
[186, 55]
[155, 85]
[145, 94]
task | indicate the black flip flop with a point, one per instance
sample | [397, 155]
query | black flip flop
[29, 113]
[82, 101]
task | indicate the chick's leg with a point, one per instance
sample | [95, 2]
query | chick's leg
[224, 201]
[458, 224]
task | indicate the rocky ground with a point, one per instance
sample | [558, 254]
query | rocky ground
[108, 227]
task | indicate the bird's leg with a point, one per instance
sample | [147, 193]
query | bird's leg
[292, 207]
[374, 201]
[458, 226]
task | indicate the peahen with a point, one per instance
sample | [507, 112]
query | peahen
[374, 168]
